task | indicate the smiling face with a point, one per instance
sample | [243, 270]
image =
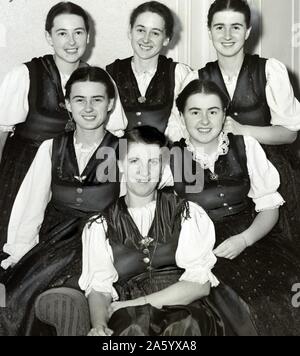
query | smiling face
[89, 104]
[68, 38]
[142, 168]
[148, 35]
[204, 118]
[229, 32]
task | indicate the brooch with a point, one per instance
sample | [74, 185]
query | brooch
[213, 176]
[142, 99]
[80, 179]
[146, 241]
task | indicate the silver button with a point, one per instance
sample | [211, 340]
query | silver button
[236, 114]
[222, 195]
[140, 123]
[79, 200]
[230, 208]
[79, 190]
[225, 205]
[146, 260]
[138, 113]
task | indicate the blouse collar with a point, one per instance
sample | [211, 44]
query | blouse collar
[150, 72]
[85, 149]
[208, 161]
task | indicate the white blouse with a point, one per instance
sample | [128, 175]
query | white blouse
[14, 91]
[264, 177]
[28, 211]
[176, 124]
[284, 107]
[194, 251]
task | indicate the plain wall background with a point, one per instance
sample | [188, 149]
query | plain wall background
[22, 25]
[22, 31]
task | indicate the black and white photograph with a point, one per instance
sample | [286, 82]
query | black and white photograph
[149, 170]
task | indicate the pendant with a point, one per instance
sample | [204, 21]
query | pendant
[146, 241]
[214, 176]
[142, 99]
[80, 179]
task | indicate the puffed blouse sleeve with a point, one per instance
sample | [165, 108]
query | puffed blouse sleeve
[176, 126]
[14, 98]
[195, 248]
[98, 271]
[29, 207]
[284, 107]
[264, 177]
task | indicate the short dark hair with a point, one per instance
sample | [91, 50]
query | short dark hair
[66, 7]
[201, 87]
[146, 134]
[159, 9]
[91, 74]
[234, 5]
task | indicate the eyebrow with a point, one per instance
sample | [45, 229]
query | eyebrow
[75, 29]
[155, 29]
[82, 96]
[199, 109]
[223, 24]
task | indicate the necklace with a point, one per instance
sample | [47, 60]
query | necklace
[146, 243]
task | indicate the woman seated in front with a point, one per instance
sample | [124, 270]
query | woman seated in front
[147, 259]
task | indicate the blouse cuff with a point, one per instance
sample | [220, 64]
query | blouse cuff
[7, 128]
[5, 264]
[105, 289]
[199, 275]
[16, 252]
[267, 202]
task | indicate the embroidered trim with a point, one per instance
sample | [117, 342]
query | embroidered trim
[208, 161]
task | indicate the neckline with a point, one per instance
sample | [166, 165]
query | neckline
[125, 207]
[237, 78]
[84, 172]
[208, 161]
[150, 71]
[136, 85]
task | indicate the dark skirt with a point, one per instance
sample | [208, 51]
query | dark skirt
[17, 157]
[289, 221]
[54, 262]
[263, 276]
[222, 313]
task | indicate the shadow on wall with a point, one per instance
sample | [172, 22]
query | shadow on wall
[256, 32]
[251, 44]
[177, 34]
[92, 39]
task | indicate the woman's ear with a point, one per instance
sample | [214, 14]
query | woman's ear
[68, 105]
[166, 42]
[110, 105]
[248, 32]
[49, 38]
[129, 33]
[121, 166]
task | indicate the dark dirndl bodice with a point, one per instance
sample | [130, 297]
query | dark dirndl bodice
[203, 317]
[264, 274]
[155, 108]
[249, 107]
[56, 260]
[46, 119]
[222, 194]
